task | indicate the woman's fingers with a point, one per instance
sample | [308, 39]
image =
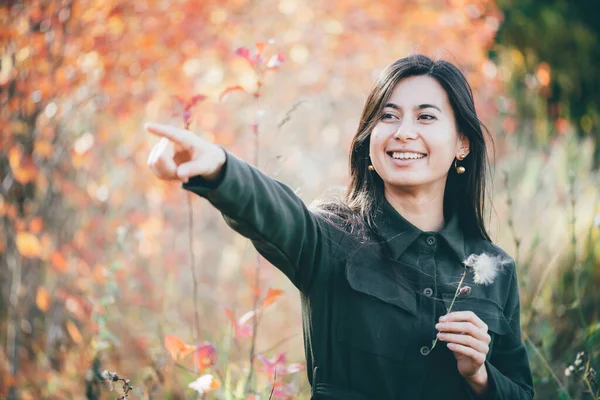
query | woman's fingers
[466, 340]
[165, 164]
[180, 154]
[161, 160]
[466, 328]
[464, 322]
[207, 166]
[476, 356]
[182, 137]
[468, 316]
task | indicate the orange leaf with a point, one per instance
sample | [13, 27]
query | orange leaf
[9, 380]
[231, 89]
[215, 384]
[176, 347]
[28, 245]
[59, 263]
[254, 289]
[260, 48]
[36, 225]
[272, 296]
[74, 332]
[14, 157]
[43, 148]
[42, 299]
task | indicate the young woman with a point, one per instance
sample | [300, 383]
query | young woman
[378, 271]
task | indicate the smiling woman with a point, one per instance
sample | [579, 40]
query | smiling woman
[410, 130]
[377, 271]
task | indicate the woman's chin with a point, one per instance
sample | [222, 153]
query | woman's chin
[406, 182]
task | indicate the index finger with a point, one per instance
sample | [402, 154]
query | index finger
[180, 136]
[468, 316]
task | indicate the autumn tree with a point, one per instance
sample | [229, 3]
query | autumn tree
[88, 253]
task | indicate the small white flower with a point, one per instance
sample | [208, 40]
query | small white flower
[485, 267]
[204, 384]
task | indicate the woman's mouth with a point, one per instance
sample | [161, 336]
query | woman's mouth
[404, 157]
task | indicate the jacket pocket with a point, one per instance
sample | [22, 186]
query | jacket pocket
[487, 310]
[376, 312]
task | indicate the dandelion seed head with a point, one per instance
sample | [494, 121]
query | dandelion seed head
[485, 267]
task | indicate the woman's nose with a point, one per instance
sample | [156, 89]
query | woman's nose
[405, 131]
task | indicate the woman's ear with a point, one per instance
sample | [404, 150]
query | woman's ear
[464, 146]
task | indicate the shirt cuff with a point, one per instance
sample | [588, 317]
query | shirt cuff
[492, 388]
[202, 186]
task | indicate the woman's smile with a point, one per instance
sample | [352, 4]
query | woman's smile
[405, 158]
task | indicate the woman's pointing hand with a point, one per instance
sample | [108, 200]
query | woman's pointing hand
[181, 154]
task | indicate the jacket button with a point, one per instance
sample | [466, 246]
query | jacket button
[428, 291]
[431, 240]
[425, 350]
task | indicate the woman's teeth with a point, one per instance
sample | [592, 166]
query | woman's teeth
[406, 156]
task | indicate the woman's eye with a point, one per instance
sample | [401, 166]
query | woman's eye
[427, 117]
[387, 116]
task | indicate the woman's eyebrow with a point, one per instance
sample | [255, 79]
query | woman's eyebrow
[423, 106]
[419, 107]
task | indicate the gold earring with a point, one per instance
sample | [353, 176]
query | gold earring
[459, 169]
[371, 168]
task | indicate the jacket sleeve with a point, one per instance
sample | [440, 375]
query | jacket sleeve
[293, 238]
[509, 372]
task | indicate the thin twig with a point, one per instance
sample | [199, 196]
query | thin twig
[273, 387]
[577, 268]
[257, 275]
[511, 224]
[545, 362]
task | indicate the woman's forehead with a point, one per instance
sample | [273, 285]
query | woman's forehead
[413, 91]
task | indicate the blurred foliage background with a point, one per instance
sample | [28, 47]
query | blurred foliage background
[103, 267]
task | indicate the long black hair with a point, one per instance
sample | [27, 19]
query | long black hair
[464, 194]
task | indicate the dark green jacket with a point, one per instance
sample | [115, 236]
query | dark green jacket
[369, 310]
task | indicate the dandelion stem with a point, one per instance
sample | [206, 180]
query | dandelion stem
[451, 304]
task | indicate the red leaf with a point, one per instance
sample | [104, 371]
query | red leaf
[231, 89]
[205, 356]
[195, 100]
[243, 52]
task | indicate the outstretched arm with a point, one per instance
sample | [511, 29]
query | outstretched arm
[281, 227]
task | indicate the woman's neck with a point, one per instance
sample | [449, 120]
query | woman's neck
[423, 209]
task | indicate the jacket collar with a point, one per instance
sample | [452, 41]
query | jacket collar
[399, 233]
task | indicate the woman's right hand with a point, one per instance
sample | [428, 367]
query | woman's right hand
[181, 154]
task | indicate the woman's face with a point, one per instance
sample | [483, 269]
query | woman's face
[415, 140]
